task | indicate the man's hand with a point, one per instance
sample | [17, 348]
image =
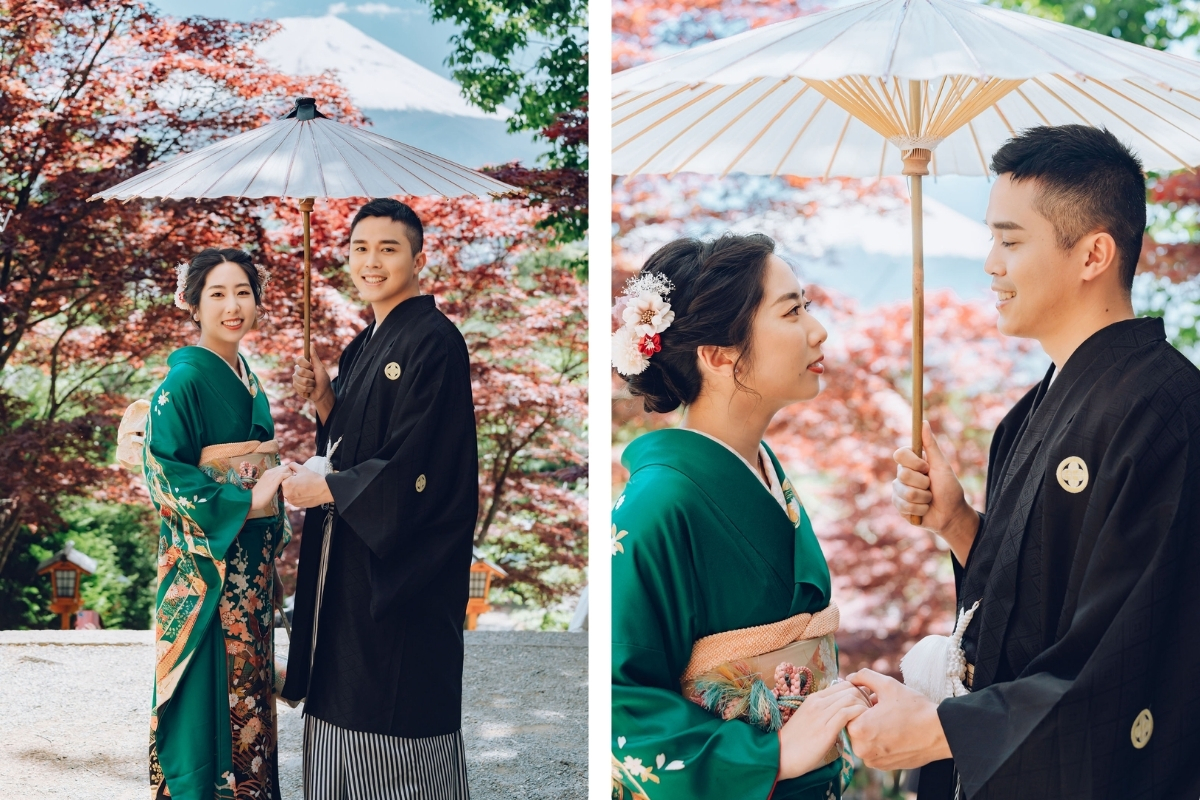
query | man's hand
[306, 489]
[930, 490]
[310, 380]
[902, 729]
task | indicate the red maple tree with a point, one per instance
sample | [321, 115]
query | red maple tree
[1179, 194]
[640, 26]
[91, 94]
[892, 580]
[522, 311]
[94, 93]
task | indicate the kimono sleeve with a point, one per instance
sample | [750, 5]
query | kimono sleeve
[673, 747]
[1066, 718]
[423, 481]
[205, 515]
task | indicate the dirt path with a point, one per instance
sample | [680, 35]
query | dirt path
[73, 716]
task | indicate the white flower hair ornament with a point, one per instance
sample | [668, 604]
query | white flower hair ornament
[181, 273]
[642, 313]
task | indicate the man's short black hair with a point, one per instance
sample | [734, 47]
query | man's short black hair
[397, 212]
[1087, 181]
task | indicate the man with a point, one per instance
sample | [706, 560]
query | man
[1082, 655]
[377, 652]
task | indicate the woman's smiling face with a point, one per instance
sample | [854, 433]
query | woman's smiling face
[785, 360]
[227, 310]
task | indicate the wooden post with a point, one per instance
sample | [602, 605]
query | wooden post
[916, 165]
[306, 207]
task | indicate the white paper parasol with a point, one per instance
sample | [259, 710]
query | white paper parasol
[897, 86]
[306, 155]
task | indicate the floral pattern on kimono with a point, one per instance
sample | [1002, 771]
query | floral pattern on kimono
[213, 730]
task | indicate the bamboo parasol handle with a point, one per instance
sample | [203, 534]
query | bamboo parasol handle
[306, 207]
[918, 323]
[916, 165]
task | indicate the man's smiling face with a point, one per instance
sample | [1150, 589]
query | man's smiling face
[382, 264]
[1035, 280]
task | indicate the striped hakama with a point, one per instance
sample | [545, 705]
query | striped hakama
[341, 764]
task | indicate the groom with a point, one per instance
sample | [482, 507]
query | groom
[377, 650]
[1082, 657]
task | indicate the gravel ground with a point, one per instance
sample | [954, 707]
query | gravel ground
[74, 715]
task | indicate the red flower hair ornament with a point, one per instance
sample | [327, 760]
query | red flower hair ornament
[644, 313]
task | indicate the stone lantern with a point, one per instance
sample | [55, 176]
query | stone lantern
[66, 567]
[482, 571]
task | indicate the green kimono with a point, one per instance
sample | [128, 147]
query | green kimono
[700, 546]
[213, 732]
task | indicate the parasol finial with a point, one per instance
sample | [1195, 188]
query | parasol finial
[305, 109]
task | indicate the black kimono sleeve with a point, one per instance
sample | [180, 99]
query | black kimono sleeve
[412, 500]
[1062, 728]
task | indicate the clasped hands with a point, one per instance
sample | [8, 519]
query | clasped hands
[897, 728]
[301, 487]
[890, 726]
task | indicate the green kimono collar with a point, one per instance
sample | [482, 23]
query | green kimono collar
[743, 498]
[226, 385]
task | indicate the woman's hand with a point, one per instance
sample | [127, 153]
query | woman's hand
[262, 496]
[807, 736]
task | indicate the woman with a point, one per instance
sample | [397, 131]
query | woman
[211, 468]
[710, 539]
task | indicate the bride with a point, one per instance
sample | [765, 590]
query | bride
[724, 667]
[211, 465]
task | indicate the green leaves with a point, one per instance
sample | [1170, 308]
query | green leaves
[1153, 23]
[531, 57]
[533, 53]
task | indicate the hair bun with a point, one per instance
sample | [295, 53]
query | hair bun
[655, 389]
[716, 288]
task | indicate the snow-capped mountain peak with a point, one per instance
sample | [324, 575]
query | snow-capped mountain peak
[376, 76]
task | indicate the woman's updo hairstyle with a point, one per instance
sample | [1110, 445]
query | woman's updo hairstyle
[718, 286]
[205, 261]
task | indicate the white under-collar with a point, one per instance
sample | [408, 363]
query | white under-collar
[771, 484]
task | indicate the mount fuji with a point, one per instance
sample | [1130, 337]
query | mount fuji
[403, 100]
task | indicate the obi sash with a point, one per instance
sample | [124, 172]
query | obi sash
[762, 674]
[242, 463]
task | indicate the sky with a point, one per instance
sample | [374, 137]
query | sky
[403, 25]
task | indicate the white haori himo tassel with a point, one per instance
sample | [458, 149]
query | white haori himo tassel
[321, 464]
[936, 666]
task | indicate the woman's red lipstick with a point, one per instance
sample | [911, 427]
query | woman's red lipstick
[817, 366]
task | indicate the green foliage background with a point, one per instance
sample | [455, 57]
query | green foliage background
[123, 539]
[1153, 23]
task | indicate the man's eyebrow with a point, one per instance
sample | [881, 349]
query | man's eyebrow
[381, 241]
[1004, 226]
